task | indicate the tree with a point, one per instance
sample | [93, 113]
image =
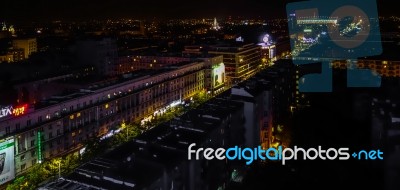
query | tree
[69, 163]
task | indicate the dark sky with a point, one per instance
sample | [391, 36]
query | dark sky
[36, 10]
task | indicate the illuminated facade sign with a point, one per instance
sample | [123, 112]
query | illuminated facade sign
[14, 111]
[7, 168]
[218, 75]
[39, 147]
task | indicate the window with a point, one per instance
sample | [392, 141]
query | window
[23, 166]
[8, 130]
[32, 133]
[50, 135]
[28, 123]
[40, 119]
[33, 153]
[50, 127]
[71, 108]
[32, 143]
[22, 157]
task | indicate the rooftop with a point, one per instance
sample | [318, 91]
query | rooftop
[138, 163]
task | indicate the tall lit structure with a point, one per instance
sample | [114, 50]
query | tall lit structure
[215, 25]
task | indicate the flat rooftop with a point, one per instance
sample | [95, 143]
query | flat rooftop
[94, 84]
[142, 161]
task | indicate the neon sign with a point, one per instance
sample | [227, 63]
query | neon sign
[14, 111]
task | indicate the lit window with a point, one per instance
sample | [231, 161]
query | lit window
[71, 117]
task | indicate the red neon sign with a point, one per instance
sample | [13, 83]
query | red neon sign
[20, 110]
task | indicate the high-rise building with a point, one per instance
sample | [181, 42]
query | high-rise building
[29, 46]
[242, 61]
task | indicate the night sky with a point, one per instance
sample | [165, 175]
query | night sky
[37, 10]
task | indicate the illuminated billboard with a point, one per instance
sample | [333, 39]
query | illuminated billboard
[218, 75]
[7, 170]
[13, 111]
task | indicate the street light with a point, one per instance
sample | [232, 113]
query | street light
[59, 169]
[123, 126]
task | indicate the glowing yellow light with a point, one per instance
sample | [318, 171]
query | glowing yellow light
[106, 106]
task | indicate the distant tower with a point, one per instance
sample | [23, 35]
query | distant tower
[215, 24]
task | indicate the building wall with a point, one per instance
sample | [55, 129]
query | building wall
[66, 125]
[29, 46]
[241, 63]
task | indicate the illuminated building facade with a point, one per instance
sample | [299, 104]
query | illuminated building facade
[28, 45]
[62, 124]
[215, 79]
[12, 55]
[6, 58]
[242, 61]
[268, 50]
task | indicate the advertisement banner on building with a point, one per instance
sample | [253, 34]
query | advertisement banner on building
[7, 170]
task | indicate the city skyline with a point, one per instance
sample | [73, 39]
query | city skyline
[45, 10]
[119, 94]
